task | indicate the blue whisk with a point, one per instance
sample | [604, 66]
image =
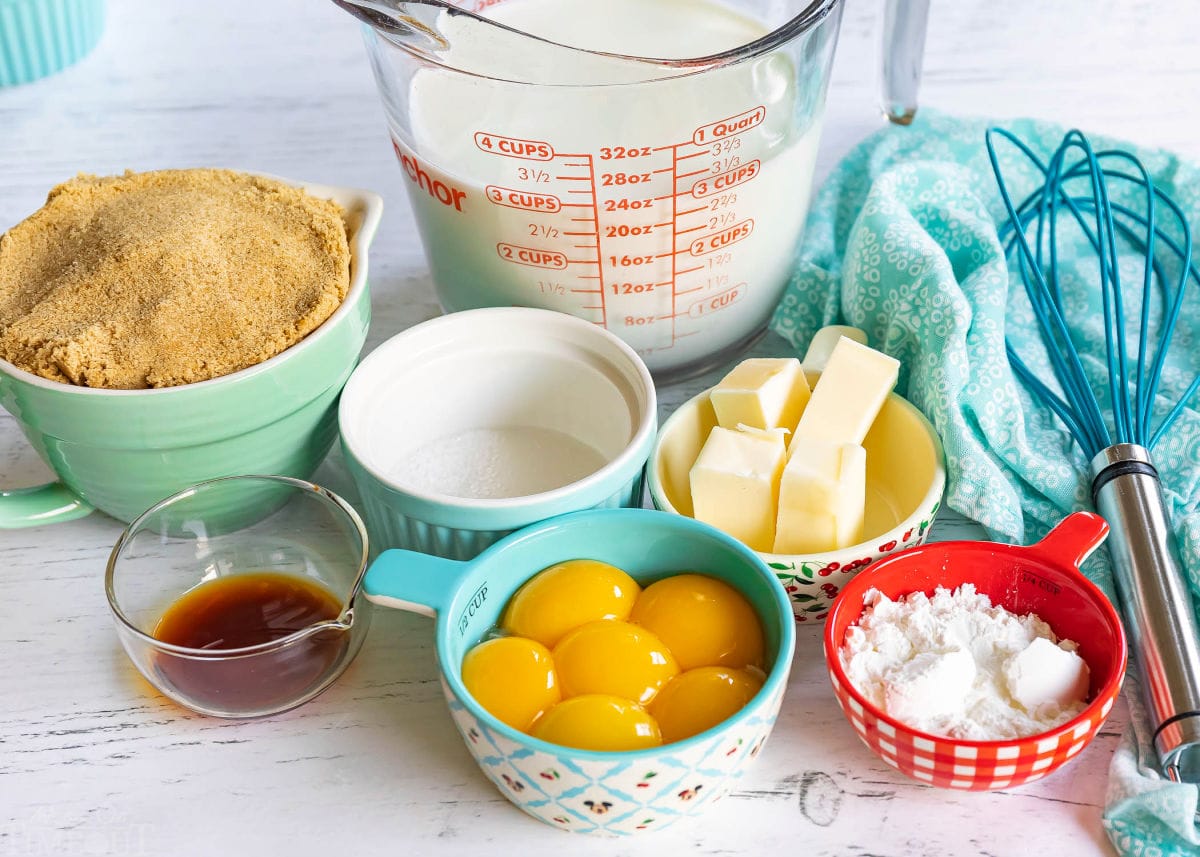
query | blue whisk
[1159, 615]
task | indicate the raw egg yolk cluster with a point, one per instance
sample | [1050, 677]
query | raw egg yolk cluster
[585, 657]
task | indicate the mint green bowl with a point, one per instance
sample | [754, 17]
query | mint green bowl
[41, 37]
[121, 451]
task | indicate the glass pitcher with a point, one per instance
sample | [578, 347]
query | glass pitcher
[643, 164]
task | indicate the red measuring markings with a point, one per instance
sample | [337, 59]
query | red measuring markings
[531, 256]
[526, 200]
[717, 302]
[726, 180]
[705, 134]
[617, 221]
[721, 239]
[513, 147]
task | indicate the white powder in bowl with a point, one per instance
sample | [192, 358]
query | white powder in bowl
[956, 666]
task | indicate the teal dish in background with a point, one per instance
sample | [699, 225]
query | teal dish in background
[41, 37]
[585, 790]
[122, 451]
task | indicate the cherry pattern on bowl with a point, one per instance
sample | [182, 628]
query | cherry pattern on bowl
[813, 585]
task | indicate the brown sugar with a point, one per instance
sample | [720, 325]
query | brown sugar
[165, 278]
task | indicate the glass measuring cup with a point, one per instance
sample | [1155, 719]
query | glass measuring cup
[661, 198]
[300, 530]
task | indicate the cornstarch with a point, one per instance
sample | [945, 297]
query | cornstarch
[957, 666]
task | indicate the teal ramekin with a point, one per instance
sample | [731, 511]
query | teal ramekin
[41, 37]
[411, 403]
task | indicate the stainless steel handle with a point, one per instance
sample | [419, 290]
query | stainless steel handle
[904, 23]
[1160, 620]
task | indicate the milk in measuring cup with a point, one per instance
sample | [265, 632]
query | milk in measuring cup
[666, 211]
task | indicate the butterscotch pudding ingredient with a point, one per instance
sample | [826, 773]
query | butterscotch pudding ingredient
[954, 664]
[165, 278]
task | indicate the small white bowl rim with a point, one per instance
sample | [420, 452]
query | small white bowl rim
[637, 447]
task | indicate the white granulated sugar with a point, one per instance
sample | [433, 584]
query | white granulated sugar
[954, 665]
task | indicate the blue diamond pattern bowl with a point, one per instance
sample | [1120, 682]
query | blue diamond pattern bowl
[582, 790]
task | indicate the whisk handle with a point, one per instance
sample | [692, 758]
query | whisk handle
[904, 24]
[1159, 615]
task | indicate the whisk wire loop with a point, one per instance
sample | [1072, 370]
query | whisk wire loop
[1108, 225]
[1045, 301]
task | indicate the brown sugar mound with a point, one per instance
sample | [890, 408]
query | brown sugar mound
[165, 278]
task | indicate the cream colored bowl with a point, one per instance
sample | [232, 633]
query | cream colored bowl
[906, 474]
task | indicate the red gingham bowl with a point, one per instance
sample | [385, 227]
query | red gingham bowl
[1043, 579]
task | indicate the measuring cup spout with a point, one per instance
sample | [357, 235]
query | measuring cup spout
[409, 24]
[440, 32]
[417, 582]
[341, 624]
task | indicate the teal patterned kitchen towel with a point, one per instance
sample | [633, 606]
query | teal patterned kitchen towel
[903, 242]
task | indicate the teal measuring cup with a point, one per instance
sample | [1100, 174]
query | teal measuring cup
[582, 790]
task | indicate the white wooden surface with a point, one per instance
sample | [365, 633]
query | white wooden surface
[92, 761]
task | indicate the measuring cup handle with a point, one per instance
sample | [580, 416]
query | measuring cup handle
[51, 503]
[417, 582]
[1073, 539]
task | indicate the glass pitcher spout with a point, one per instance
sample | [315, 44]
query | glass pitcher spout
[447, 34]
[409, 25]
[440, 32]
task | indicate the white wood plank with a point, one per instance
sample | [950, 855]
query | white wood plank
[93, 762]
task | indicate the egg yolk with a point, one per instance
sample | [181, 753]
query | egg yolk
[598, 722]
[615, 658]
[699, 699]
[702, 620]
[513, 679]
[565, 596]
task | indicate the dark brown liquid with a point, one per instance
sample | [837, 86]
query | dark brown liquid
[246, 610]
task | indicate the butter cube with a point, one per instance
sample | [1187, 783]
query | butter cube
[848, 395]
[821, 346]
[735, 484]
[763, 392]
[822, 496]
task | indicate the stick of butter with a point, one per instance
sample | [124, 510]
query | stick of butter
[822, 495]
[762, 392]
[821, 346]
[848, 395]
[735, 484]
